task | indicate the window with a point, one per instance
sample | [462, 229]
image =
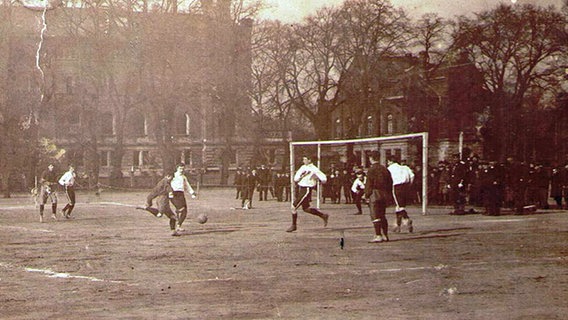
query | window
[187, 123]
[135, 124]
[182, 124]
[141, 158]
[187, 157]
[390, 124]
[69, 85]
[107, 124]
[370, 126]
[338, 131]
[104, 158]
[136, 158]
[397, 153]
[349, 124]
[145, 158]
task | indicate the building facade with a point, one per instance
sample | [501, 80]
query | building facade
[406, 96]
[125, 93]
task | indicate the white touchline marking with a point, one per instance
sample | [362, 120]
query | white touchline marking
[27, 229]
[115, 204]
[92, 204]
[60, 275]
[207, 280]
[469, 264]
[53, 274]
[402, 269]
[18, 207]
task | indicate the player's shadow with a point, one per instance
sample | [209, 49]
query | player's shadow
[425, 232]
[413, 237]
[200, 232]
[507, 212]
[345, 229]
[421, 233]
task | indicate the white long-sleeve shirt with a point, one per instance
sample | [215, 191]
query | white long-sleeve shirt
[400, 174]
[308, 176]
[180, 183]
[67, 179]
[358, 185]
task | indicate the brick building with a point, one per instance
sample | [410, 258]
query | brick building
[409, 96]
[128, 92]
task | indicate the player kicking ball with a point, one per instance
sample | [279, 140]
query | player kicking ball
[161, 193]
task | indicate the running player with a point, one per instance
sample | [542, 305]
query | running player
[68, 182]
[307, 177]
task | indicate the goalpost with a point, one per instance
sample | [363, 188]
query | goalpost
[368, 141]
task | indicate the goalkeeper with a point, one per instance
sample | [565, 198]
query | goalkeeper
[307, 177]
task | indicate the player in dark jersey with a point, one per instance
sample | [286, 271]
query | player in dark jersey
[48, 190]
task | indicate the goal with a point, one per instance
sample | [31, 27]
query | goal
[412, 148]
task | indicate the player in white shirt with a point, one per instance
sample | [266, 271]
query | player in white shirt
[180, 186]
[307, 177]
[402, 179]
[68, 183]
[358, 190]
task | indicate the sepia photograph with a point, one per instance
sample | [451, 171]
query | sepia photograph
[284, 159]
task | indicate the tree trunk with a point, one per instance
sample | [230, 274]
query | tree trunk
[322, 124]
[226, 156]
[5, 185]
[116, 164]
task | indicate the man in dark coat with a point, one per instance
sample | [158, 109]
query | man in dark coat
[458, 183]
[378, 188]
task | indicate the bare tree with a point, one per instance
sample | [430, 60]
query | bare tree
[328, 45]
[314, 72]
[23, 95]
[510, 45]
[433, 39]
[270, 103]
[374, 33]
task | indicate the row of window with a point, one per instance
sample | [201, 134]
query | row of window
[144, 158]
[136, 123]
[363, 160]
[368, 129]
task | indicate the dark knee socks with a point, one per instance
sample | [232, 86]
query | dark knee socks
[314, 211]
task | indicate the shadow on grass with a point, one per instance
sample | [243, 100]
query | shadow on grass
[443, 230]
[426, 237]
[201, 232]
[426, 232]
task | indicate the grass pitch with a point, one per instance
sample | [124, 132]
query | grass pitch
[115, 262]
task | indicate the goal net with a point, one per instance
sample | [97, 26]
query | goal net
[338, 157]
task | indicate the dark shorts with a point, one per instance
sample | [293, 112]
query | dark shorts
[179, 200]
[303, 197]
[401, 193]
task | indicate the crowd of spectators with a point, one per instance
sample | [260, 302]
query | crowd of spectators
[512, 184]
[466, 184]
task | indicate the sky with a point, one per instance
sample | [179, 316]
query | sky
[294, 10]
